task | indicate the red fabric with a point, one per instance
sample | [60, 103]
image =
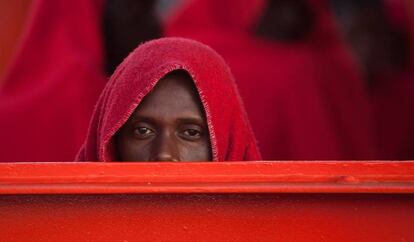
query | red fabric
[230, 133]
[49, 90]
[228, 15]
[348, 91]
[393, 101]
[393, 98]
[302, 102]
[409, 11]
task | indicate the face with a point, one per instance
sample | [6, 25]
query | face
[168, 125]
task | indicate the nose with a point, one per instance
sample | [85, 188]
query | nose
[165, 149]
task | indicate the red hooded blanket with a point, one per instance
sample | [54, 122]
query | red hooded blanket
[50, 87]
[302, 105]
[230, 133]
[393, 97]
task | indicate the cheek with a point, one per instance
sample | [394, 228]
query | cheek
[195, 152]
[132, 150]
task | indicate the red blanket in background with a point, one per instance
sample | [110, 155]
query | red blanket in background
[301, 100]
[52, 84]
[393, 102]
[393, 96]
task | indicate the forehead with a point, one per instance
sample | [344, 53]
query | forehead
[174, 96]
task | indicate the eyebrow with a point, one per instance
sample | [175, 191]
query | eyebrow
[188, 120]
[196, 120]
[136, 117]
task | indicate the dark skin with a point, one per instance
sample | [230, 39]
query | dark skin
[168, 125]
[285, 21]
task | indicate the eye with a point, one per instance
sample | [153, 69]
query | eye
[191, 134]
[143, 132]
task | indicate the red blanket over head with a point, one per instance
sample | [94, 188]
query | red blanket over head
[302, 100]
[49, 89]
[230, 133]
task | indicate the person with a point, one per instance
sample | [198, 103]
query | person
[301, 102]
[171, 99]
[377, 34]
[51, 82]
[170, 120]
